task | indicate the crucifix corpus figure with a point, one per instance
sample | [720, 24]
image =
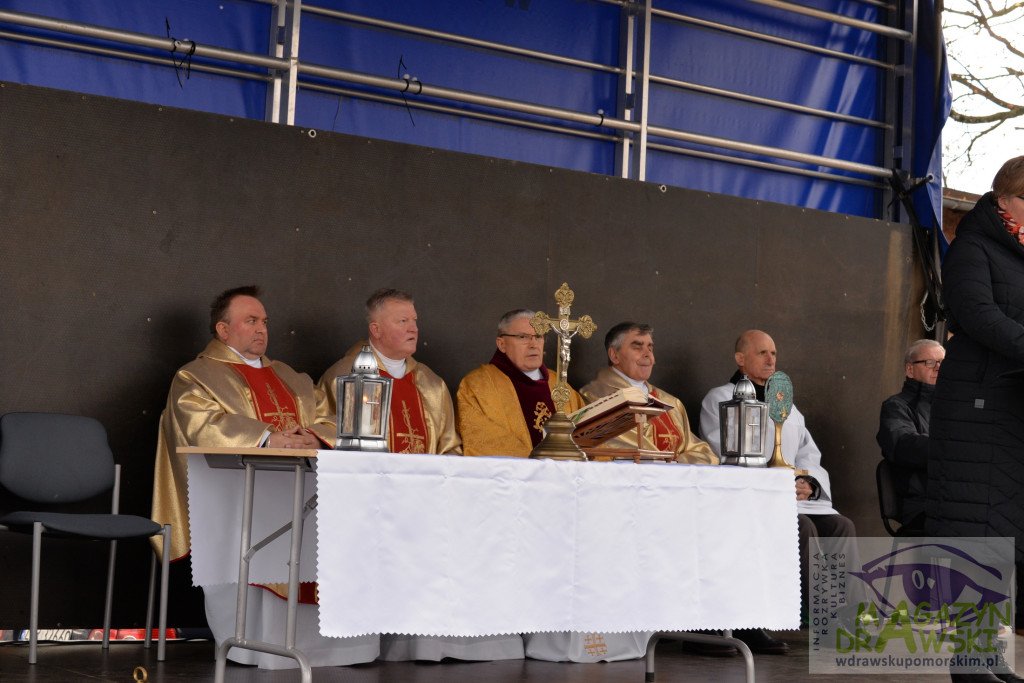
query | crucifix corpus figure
[558, 442]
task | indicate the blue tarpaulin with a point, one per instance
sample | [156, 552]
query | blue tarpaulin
[689, 51]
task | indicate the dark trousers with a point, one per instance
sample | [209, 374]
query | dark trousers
[813, 527]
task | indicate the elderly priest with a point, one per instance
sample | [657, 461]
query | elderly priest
[630, 348]
[233, 395]
[503, 406]
[422, 420]
[422, 415]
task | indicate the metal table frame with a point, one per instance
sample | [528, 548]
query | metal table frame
[298, 461]
[709, 638]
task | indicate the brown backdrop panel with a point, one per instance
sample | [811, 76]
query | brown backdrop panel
[122, 220]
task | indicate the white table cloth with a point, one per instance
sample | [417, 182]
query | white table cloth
[215, 520]
[450, 545]
[441, 545]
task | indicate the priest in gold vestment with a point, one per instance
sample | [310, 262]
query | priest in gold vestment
[502, 410]
[422, 418]
[630, 348]
[504, 404]
[214, 401]
[233, 395]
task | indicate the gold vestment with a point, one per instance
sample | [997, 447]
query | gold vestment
[442, 436]
[690, 449]
[490, 419]
[210, 404]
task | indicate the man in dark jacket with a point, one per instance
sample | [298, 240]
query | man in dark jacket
[903, 430]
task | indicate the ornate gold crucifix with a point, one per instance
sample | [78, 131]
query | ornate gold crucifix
[558, 441]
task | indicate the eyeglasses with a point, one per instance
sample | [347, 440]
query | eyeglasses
[525, 338]
[931, 363]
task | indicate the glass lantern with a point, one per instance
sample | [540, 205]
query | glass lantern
[744, 428]
[364, 405]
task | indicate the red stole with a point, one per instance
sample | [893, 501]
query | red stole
[534, 395]
[275, 404]
[407, 424]
[272, 400]
[666, 435]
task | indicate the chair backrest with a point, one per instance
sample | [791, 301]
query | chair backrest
[54, 458]
[889, 502]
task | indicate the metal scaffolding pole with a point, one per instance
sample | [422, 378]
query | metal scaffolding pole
[635, 125]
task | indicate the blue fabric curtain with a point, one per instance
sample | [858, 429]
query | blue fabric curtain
[580, 30]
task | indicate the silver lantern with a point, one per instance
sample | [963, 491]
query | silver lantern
[744, 427]
[364, 406]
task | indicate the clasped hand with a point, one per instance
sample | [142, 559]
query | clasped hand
[293, 437]
[804, 490]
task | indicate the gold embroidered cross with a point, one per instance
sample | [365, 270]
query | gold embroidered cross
[283, 419]
[594, 644]
[416, 441]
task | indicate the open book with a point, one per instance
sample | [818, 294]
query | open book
[611, 415]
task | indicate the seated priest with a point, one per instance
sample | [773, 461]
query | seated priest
[422, 420]
[503, 406]
[233, 395]
[630, 349]
[422, 416]
[755, 357]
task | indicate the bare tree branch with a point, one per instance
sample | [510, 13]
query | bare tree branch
[990, 93]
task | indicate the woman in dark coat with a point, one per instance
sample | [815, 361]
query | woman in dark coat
[976, 460]
[976, 455]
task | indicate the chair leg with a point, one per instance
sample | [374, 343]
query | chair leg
[33, 618]
[149, 602]
[110, 595]
[161, 647]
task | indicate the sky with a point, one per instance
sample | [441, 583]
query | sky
[983, 56]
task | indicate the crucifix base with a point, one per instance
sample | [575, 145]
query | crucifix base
[558, 443]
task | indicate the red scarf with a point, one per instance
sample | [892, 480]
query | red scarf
[1012, 226]
[534, 395]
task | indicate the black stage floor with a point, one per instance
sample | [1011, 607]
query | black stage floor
[193, 661]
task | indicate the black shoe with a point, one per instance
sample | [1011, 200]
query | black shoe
[760, 642]
[1009, 677]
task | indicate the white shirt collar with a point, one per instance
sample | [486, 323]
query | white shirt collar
[257, 363]
[639, 384]
[395, 368]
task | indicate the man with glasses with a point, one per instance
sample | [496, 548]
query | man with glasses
[504, 404]
[903, 429]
